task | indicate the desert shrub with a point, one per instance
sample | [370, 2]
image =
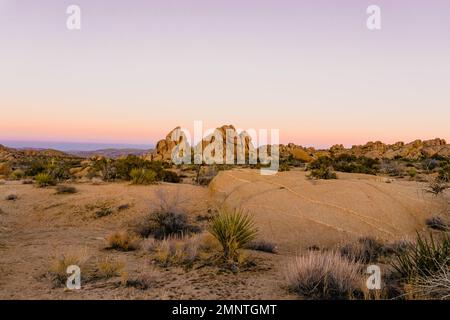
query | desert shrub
[35, 167]
[142, 176]
[322, 173]
[161, 224]
[412, 173]
[58, 267]
[429, 164]
[17, 174]
[105, 167]
[103, 212]
[423, 258]
[66, 190]
[444, 173]
[167, 220]
[262, 245]
[177, 251]
[58, 170]
[234, 230]
[143, 280]
[44, 180]
[436, 223]
[5, 169]
[107, 268]
[122, 241]
[434, 286]
[392, 168]
[324, 275]
[396, 247]
[130, 162]
[124, 206]
[436, 187]
[11, 197]
[366, 250]
[169, 176]
[353, 164]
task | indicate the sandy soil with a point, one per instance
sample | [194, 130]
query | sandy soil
[289, 209]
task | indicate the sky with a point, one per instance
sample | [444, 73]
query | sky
[311, 69]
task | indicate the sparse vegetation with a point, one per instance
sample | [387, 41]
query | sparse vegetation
[436, 187]
[44, 180]
[262, 245]
[58, 267]
[424, 258]
[122, 241]
[17, 174]
[366, 250]
[234, 230]
[107, 268]
[142, 176]
[324, 275]
[11, 197]
[143, 280]
[103, 212]
[66, 190]
[437, 223]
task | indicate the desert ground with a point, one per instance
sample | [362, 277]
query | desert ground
[292, 211]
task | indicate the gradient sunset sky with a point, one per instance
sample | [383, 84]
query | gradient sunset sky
[310, 68]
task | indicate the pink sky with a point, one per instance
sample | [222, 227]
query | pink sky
[309, 68]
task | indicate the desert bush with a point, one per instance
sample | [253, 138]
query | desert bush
[17, 174]
[167, 220]
[437, 223]
[169, 176]
[412, 173]
[35, 167]
[143, 280]
[5, 169]
[353, 164]
[366, 250]
[434, 286]
[107, 268]
[396, 247]
[103, 212]
[322, 173]
[11, 197]
[423, 258]
[58, 170]
[234, 230]
[324, 275]
[142, 176]
[58, 267]
[392, 168]
[444, 173]
[177, 251]
[122, 241]
[66, 190]
[262, 245]
[105, 167]
[44, 180]
[436, 187]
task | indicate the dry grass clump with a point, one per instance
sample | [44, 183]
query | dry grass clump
[58, 267]
[11, 197]
[142, 176]
[324, 275]
[103, 212]
[108, 268]
[144, 280]
[123, 241]
[66, 190]
[366, 250]
[435, 286]
[262, 245]
[182, 251]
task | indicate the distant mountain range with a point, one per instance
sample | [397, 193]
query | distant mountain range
[109, 153]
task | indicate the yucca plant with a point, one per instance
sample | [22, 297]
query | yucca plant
[44, 180]
[423, 258]
[142, 176]
[234, 230]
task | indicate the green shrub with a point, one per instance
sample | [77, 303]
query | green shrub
[142, 176]
[423, 258]
[17, 174]
[234, 230]
[322, 173]
[444, 173]
[44, 180]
